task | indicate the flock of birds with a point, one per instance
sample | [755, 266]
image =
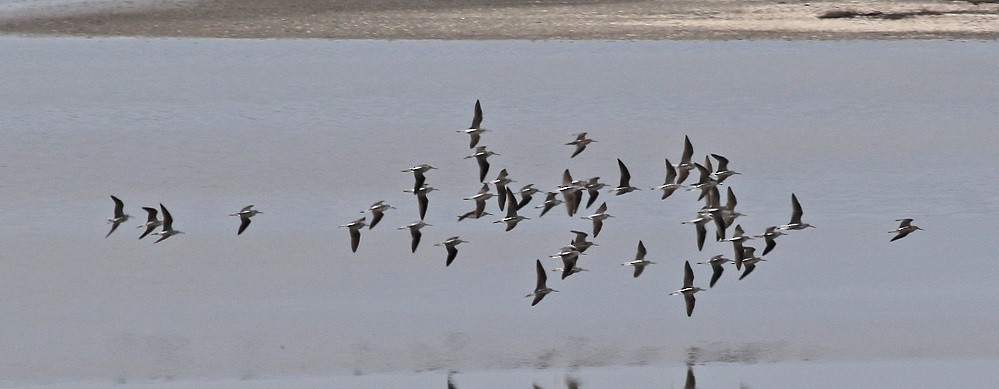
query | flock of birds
[569, 193]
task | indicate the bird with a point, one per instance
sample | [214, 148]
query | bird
[525, 195]
[904, 228]
[579, 242]
[377, 212]
[480, 201]
[796, 212]
[421, 198]
[569, 259]
[580, 143]
[418, 171]
[598, 218]
[685, 166]
[481, 155]
[702, 231]
[749, 260]
[119, 215]
[669, 184]
[592, 186]
[571, 193]
[151, 221]
[541, 289]
[688, 288]
[737, 239]
[244, 217]
[705, 183]
[472, 215]
[769, 236]
[728, 212]
[625, 185]
[512, 218]
[355, 232]
[501, 191]
[414, 230]
[639, 263]
[716, 263]
[723, 172]
[452, 251]
[167, 226]
[691, 381]
[474, 130]
[550, 202]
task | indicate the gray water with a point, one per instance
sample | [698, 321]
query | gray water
[312, 132]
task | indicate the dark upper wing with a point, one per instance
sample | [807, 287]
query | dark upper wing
[477, 117]
[416, 238]
[355, 239]
[244, 222]
[796, 211]
[689, 299]
[119, 207]
[688, 275]
[688, 150]
[542, 278]
[452, 252]
[718, 269]
[670, 173]
[424, 202]
[722, 162]
[640, 255]
[152, 214]
[625, 175]
[167, 218]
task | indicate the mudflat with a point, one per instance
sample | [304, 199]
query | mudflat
[515, 19]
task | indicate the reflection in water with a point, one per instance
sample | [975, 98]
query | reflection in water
[691, 382]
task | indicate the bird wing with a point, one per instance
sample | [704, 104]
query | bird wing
[416, 238]
[452, 252]
[688, 275]
[639, 268]
[796, 211]
[424, 201]
[244, 221]
[732, 201]
[722, 162]
[688, 150]
[749, 269]
[542, 279]
[702, 233]
[376, 216]
[716, 274]
[689, 299]
[597, 226]
[771, 243]
[152, 214]
[483, 167]
[640, 255]
[355, 239]
[625, 175]
[167, 219]
[477, 117]
[905, 223]
[670, 173]
[246, 208]
[119, 207]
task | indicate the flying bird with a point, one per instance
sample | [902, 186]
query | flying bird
[119, 215]
[151, 221]
[501, 191]
[569, 256]
[377, 212]
[244, 217]
[579, 242]
[716, 263]
[550, 202]
[688, 288]
[512, 218]
[904, 228]
[685, 165]
[355, 232]
[669, 184]
[592, 186]
[541, 289]
[418, 172]
[421, 198]
[481, 155]
[702, 231]
[167, 225]
[723, 171]
[580, 143]
[452, 251]
[625, 185]
[414, 230]
[749, 260]
[796, 212]
[475, 131]
[639, 263]
[571, 193]
[598, 218]
[525, 195]
[769, 236]
[480, 202]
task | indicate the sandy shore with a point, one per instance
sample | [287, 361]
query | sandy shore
[515, 19]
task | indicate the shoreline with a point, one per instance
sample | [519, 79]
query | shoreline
[516, 20]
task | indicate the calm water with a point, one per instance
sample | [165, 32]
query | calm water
[312, 132]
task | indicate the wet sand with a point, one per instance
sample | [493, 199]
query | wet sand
[515, 19]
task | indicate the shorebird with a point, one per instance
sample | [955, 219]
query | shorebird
[355, 232]
[119, 215]
[691, 381]
[669, 185]
[639, 263]
[571, 193]
[452, 251]
[501, 191]
[481, 155]
[151, 221]
[728, 212]
[688, 288]
[598, 218]
[737, 239]
[723, 172]
[550, 202]
[525, 195]
[579, 242]
[716, 263]
[770, 235]
[625, 184]
[796, 213]
[472, 215]
[705, 183]
[377, 212]
[244, 217]
[685, 165]
[512, 218]
[702, 231]
[749, 259]
[580, 143]
[167, 225]
[414, 230]
[421, 198]
[904, 228]
[541, 289]
[474, 130]
[569, 259]
[592, 186]
[418, 171]
[480, 202]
